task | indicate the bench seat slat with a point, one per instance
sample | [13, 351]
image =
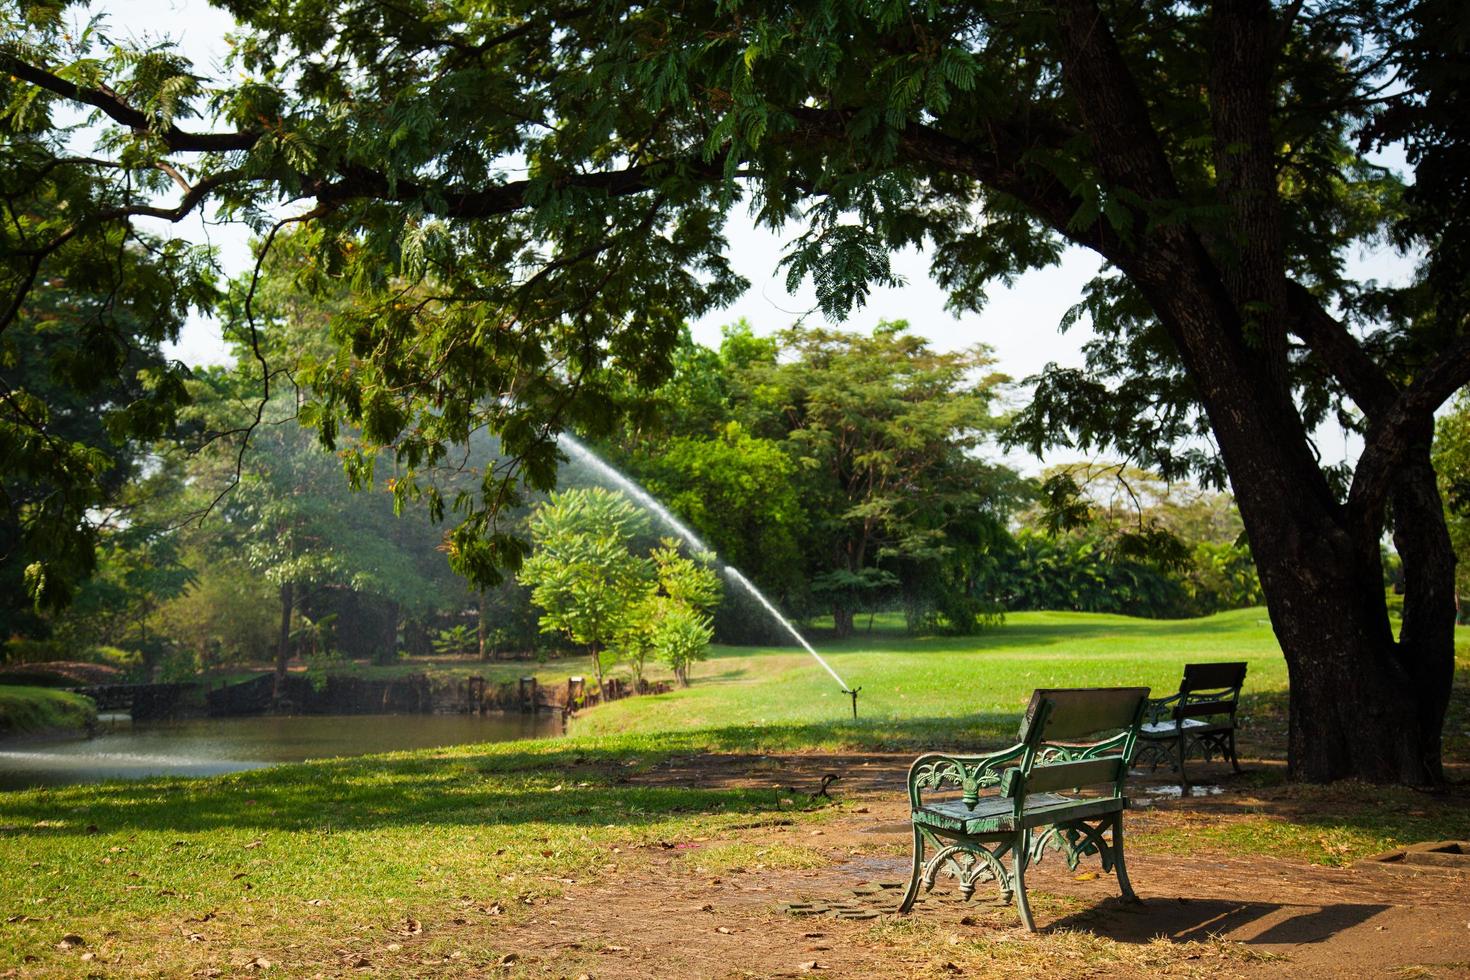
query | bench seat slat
[994, 814]
[1169, 729]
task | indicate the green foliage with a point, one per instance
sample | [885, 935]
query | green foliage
[456, 641]
[680, 637]
[229, 614]
[1452, 464]
[19, 650]
[835, 467]
[582, 571]
[594, 589]
[672, 621]
[741, 492]
[1111, 538]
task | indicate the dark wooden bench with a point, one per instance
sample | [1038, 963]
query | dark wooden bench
[1199, 720]
[1069, 739]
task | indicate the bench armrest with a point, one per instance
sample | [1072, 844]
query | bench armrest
[1160, 709]
[970, 773]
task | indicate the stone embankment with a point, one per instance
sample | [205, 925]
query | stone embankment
[337, 694]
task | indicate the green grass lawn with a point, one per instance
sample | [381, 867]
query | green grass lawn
[312, 866]
[30, 710]
[944, 690]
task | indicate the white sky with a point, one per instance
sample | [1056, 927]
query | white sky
[1019, 323]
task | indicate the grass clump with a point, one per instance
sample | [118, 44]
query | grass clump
[35, 710]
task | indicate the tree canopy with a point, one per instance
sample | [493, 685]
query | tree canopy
[527, 201]
[835, 468]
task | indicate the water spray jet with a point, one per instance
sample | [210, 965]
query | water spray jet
[587, 457]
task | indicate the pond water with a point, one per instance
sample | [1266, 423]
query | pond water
[208, 746]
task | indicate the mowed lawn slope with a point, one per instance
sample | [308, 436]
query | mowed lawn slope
[955, 690]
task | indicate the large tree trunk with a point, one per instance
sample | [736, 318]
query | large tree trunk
[1362, 704]
[283, 643]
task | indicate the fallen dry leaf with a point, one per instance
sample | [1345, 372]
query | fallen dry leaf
[508, 959]
[256, 963]
[725, 930]
[255, 843]
[70, 941]
[411, 927]
[1085, 876]
[809, 965]
[614, 949]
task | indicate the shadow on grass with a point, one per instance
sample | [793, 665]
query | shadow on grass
[1191, 918]
[566, 781]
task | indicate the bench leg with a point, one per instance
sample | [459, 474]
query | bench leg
[1183, 779]
[1018, 878]
[1120, 866]
[1234, 759]
[912, 892]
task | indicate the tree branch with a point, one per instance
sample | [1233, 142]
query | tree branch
[1407, 422]
[197, 194]
[1325, 336]
[176, 139]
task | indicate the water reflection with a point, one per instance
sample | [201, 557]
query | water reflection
[208, 746]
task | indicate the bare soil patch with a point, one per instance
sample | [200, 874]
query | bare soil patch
[717, 907]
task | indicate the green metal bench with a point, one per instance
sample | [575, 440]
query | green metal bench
[1199, 720]
[1069, 739]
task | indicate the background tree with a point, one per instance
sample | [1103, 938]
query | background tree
[1452, 463]
[832, 468]
[673, 620]
[83, 389]
[1213, 155]
[882, 428]
[1113, 538]
[581, 572]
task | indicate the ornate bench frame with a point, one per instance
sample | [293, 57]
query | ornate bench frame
[971, 837]
[1188, 723]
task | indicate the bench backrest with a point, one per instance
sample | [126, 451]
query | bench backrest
[1075, 737]
[1210, 689]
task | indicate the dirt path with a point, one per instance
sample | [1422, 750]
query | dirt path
[712, 908]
